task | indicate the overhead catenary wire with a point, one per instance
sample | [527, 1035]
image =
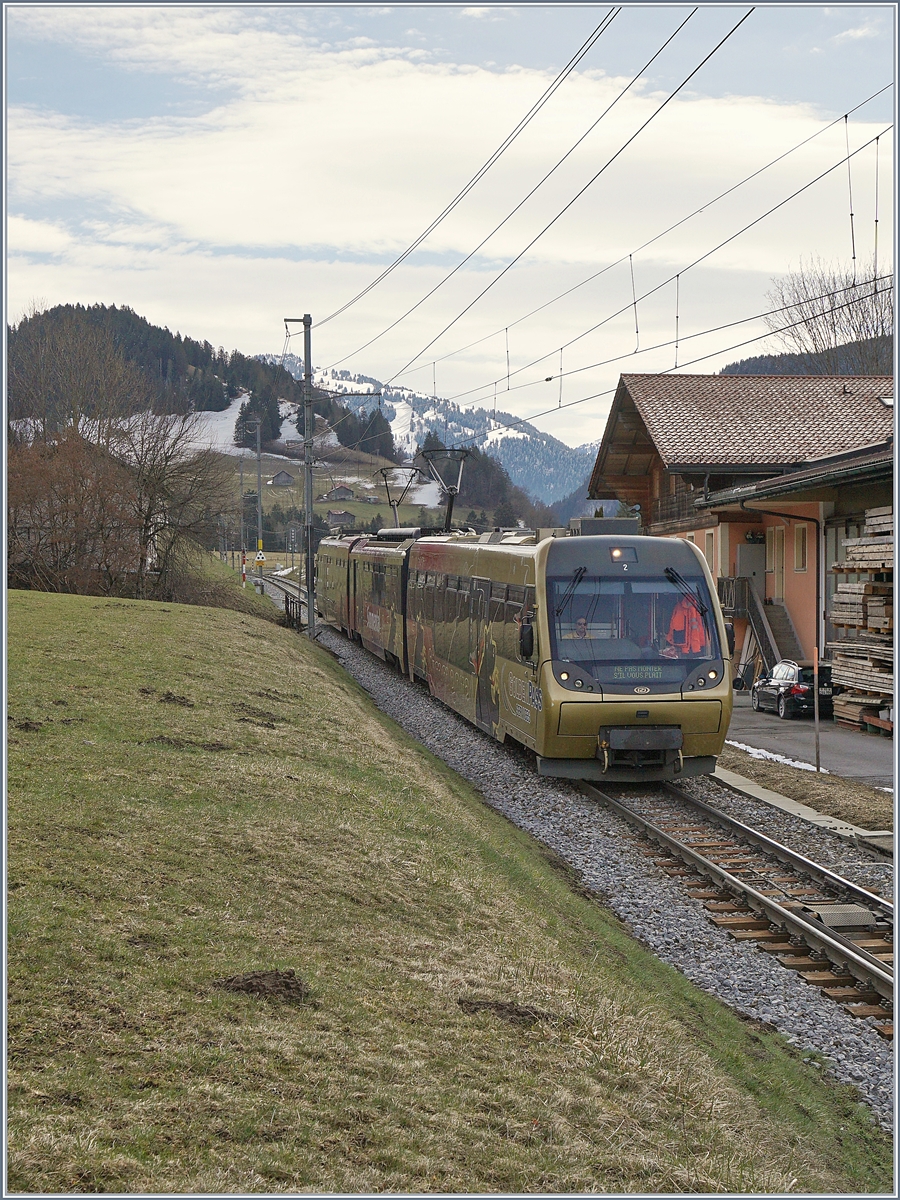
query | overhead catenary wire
[579, 193]
[445, 279]
[875, 263]
[704, 333]
[850, 190]
[637, 332]
[670, 279]
[657, 237]
[570, 66]
[701, 358]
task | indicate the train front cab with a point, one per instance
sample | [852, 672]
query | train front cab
[633, 660]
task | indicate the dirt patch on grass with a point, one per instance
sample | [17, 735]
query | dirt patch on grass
[829, 794]
[171, 698]
[259, 714]
[186, 744]
[270, 985]
[516, 1014]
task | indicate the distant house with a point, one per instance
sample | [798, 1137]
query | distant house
[281, 479]
[338, 519]
[770, 475]
[341, 492]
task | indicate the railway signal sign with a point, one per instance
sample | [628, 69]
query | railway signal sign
[260, 557]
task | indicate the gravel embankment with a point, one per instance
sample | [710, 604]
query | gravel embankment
[657, 910]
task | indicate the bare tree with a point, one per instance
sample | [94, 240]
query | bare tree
[105, 494]
[840, 323]
[178, 490]
[69, 525]
[68, 373]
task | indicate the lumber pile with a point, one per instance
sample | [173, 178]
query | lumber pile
[862, 661]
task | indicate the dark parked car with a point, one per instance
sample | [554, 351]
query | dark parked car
[788, 690]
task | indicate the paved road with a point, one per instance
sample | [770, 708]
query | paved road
[844, 752]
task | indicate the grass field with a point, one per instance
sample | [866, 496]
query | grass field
[198, 795]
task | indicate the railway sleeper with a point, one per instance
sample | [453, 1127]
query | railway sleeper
[827, 977]
[865, 1010]
[741, 922]
[842, 993]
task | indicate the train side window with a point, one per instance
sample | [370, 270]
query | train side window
[498, 602]
[513, 616]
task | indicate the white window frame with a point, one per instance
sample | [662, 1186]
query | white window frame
[801, 548]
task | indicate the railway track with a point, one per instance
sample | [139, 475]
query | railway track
[836, 935]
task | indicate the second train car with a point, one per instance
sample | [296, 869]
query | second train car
[606, 655]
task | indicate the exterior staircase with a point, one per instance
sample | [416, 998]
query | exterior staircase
[786, 641]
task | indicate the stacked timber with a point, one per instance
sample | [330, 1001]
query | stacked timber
[862, 662]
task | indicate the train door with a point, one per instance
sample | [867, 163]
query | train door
[487, 708]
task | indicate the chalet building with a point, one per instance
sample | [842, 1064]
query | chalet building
[338, 519]
[769, 475]
[281, 479]
[341, 492]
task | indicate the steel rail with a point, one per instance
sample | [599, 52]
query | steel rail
[786, 855]
[839, 951]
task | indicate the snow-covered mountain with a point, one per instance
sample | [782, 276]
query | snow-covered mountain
[542, 465]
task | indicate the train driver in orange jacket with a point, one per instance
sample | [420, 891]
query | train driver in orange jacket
[687, 631]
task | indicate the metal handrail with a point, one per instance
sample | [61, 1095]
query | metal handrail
[762, 631]
[733, 594]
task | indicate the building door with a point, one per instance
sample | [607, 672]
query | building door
[751, 564]
[779, 564]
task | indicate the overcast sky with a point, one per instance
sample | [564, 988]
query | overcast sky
[219, 168]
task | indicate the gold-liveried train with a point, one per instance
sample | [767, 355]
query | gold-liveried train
[606, 655]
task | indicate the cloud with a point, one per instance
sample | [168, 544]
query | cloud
[25, 236]
[860, 31]
[325, 162]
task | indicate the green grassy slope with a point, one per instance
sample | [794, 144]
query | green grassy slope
[196, 794]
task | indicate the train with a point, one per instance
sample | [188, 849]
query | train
[606, 654]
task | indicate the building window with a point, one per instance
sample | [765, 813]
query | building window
[710, 550]
[770, 549]
[690, 537]
[800, 547]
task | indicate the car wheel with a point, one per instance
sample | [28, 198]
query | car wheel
[754, 701]
[783, 710]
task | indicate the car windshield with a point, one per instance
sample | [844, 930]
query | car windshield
[636, 629]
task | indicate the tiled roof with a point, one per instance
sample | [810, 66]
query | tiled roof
[738, 419]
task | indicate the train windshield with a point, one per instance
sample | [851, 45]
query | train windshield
[630, 630]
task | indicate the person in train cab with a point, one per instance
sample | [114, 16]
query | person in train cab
[581, 630]
[687, 632]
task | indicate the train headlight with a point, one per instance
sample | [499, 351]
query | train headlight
[579, 683]
[714, 674]
[701, 682]
[564, 675]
